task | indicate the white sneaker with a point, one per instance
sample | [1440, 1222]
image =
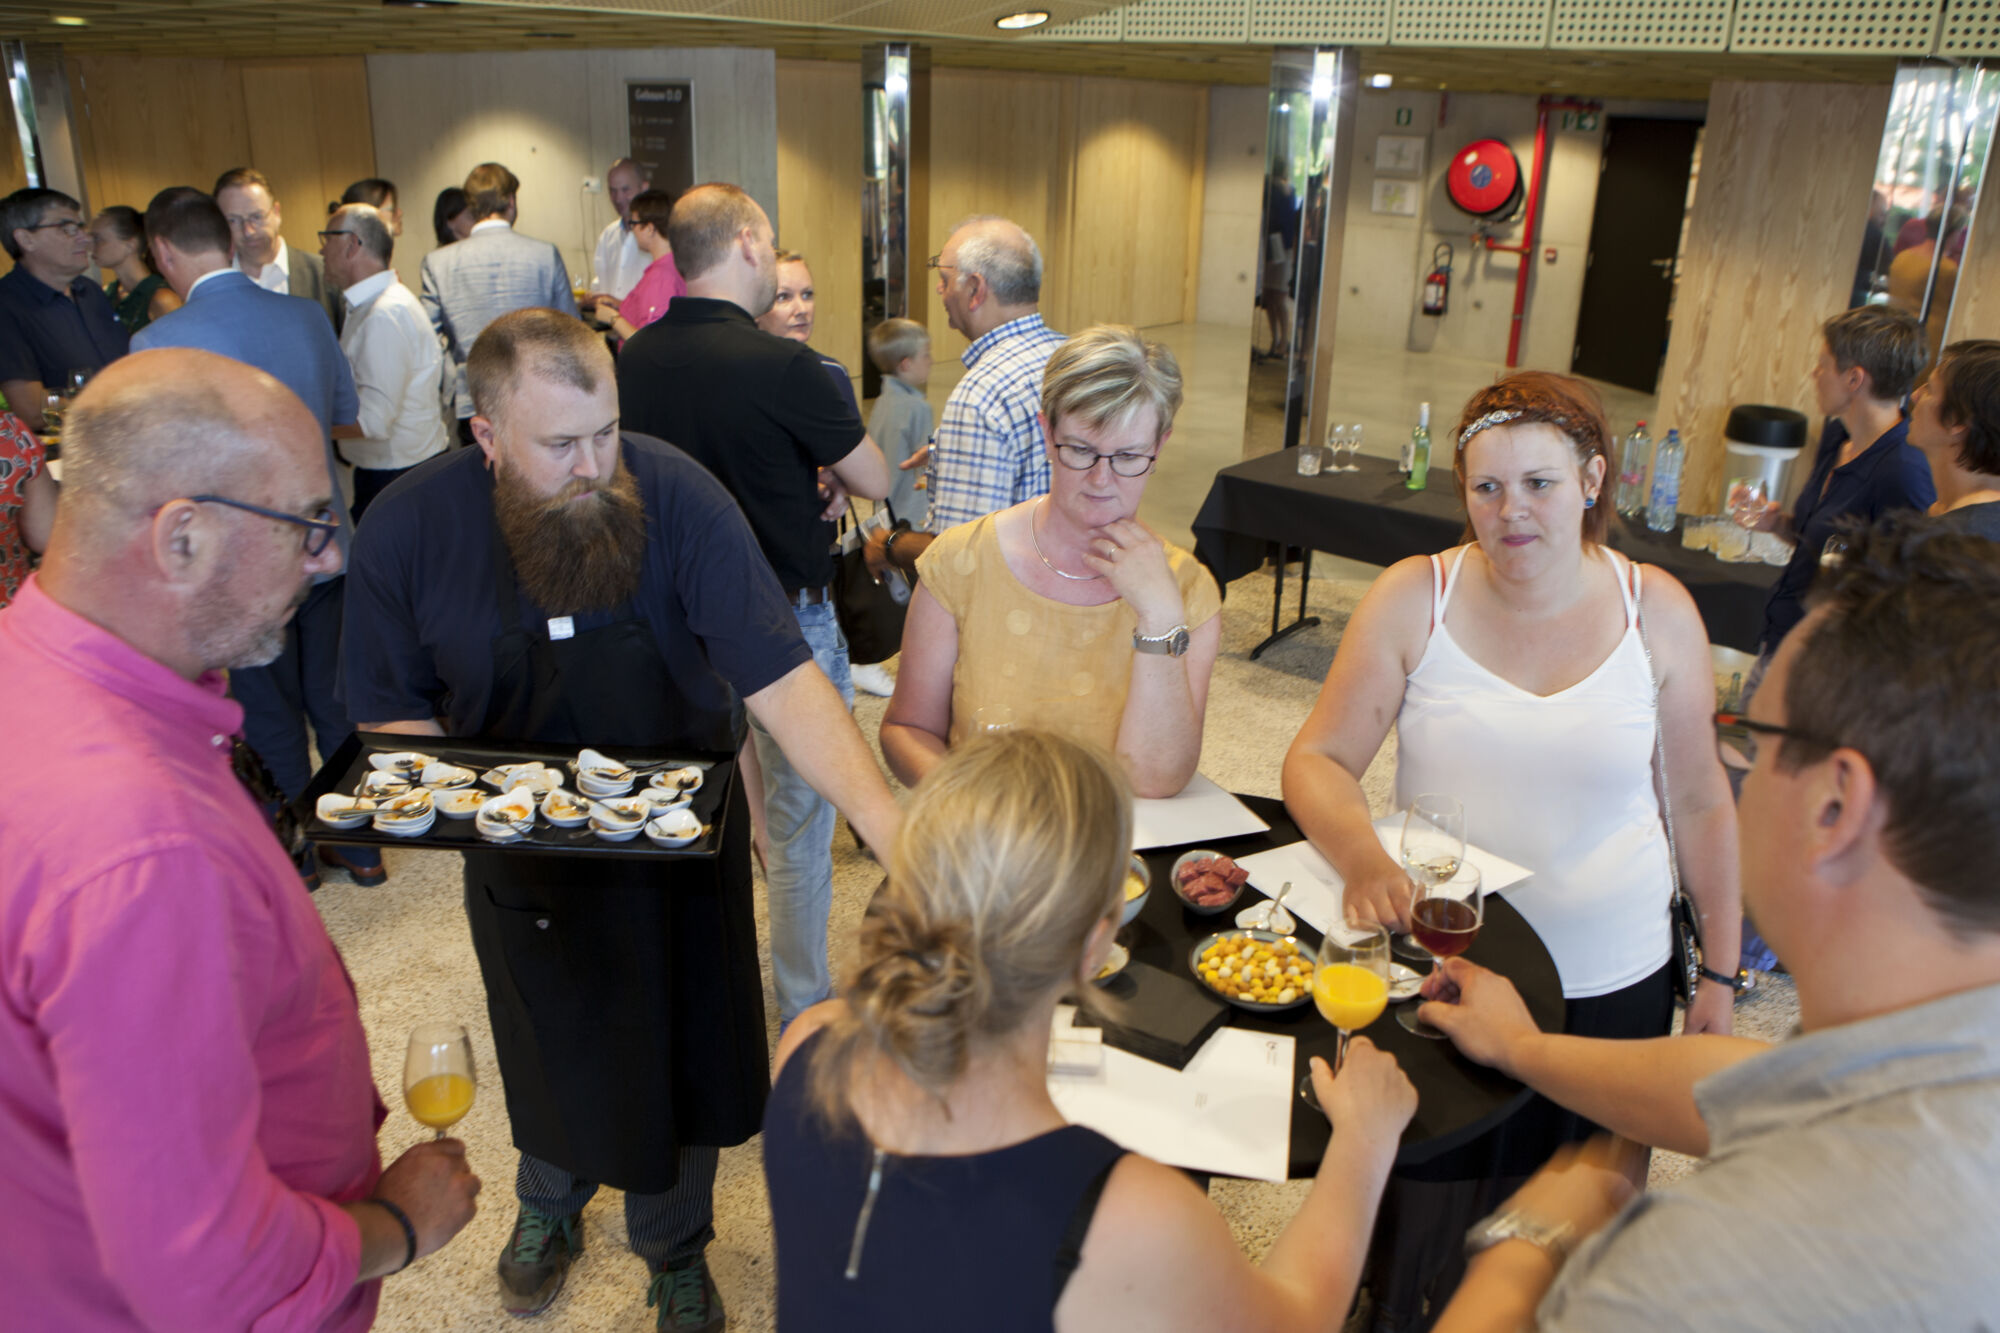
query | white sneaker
[873, 679]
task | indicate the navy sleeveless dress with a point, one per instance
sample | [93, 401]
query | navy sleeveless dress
[975, 1244]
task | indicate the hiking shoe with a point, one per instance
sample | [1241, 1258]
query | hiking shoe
[536, 1260]
[686, 1295]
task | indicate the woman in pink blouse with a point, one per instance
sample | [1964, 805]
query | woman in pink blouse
[661, 282]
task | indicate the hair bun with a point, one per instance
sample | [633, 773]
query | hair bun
[922, 995]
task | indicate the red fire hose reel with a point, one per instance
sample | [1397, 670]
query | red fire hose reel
[1484, 179]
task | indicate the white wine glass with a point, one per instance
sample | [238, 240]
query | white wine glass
[1350, 989]
[1353, 446]
[1432, 847]
[438, 1077]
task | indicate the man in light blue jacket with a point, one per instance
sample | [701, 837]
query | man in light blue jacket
[290, 339]
[469, 284]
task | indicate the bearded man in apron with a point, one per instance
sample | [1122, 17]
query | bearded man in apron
[568, 584]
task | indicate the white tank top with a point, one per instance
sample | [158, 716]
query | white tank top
[1561, 784]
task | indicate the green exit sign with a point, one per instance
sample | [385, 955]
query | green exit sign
[1402, 115]
[1584, 122]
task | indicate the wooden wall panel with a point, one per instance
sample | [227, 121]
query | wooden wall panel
[1138, 165]
[310, 133]
[1975, 312]
[147, 122]
[999, 145]
[1771, 248]
[819, 193]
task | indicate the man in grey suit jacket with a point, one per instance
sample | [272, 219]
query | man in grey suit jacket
[254, 217]
[288, 338]
[469, 284]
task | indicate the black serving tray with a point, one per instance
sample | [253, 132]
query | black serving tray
[344, 771]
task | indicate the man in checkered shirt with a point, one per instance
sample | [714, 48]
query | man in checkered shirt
[988, 451]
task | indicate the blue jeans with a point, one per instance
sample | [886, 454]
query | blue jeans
[798, 822]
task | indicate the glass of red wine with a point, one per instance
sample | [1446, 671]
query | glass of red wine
[1445, 919]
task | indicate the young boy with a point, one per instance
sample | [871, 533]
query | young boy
[901, 424]
[901, 421]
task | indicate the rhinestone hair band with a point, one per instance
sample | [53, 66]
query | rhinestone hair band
[1491, 419]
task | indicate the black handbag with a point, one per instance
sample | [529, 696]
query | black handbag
[1682, 919]
[871, 614]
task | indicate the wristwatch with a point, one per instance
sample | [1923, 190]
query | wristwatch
[1552, 1238]
[1174, 643]
[1740, 983]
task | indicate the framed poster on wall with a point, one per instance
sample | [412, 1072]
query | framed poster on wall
[662, 133]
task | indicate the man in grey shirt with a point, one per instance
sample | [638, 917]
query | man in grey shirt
[1853, 1173]
[495, 270]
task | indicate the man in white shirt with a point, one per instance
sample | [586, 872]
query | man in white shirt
[619, 263]
[255, 218]
[387, 338]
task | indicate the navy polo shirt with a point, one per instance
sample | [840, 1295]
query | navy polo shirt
[44, 336]
[1888, 475]
[420, 620]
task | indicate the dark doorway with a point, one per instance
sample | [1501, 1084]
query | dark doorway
[1635, 232]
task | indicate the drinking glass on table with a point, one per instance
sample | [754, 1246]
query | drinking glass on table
[1309, 459]
[1353, 446]
[53, 407]
[1336, 443]
[73, 382]
[1433, 846]
[438, 1079]
[1350, 989]
[1445, 919]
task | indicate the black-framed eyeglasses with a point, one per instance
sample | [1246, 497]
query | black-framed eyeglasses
[1736, 738]
[1082, 458]
[321, 528]
[68, 226]
[338, 232]
[935, 262]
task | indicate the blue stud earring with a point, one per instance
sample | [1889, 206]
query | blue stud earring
[1590, 502]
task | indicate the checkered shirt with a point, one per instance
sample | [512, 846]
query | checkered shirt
[988, 451]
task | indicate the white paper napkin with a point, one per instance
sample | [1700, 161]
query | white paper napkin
[1318, 892]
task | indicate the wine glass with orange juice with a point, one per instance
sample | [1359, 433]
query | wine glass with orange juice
[1350, 988]
[438, 1078]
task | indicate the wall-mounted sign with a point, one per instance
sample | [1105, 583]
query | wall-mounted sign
[1402, 115]
[1399, 154]
[1583, 122]
[662, 137]
[1397, 198]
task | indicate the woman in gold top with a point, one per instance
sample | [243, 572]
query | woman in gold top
[1066, 612]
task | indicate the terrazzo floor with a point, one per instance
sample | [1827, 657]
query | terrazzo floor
[407, 947]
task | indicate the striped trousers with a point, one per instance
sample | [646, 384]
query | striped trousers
[658, 1227]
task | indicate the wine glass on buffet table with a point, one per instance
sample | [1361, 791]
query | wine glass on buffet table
[1433, 846]
[1350, 988]
[1445, 919]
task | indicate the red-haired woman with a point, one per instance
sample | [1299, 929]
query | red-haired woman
[1526, 673]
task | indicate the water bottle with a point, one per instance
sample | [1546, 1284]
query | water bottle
[1664, 508]
[1631, 496]
[1420, 449]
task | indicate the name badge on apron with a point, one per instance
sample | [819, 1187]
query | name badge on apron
[562, 627]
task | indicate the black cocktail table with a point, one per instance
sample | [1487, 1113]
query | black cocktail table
[1457, 1100]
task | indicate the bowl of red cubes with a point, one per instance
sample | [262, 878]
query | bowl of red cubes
[1208, 882]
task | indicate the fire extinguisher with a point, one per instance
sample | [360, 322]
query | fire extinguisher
[1437, 287]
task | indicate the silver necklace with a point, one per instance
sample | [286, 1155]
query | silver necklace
[1033, 537]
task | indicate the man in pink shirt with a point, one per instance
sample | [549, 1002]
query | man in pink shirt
[661, 282]
[187, 1121]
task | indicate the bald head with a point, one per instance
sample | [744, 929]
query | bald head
[171, 422]
[706, 226]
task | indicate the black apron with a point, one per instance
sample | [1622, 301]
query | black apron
[625, 996]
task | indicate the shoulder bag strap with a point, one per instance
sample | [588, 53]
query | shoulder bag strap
[1683, 921]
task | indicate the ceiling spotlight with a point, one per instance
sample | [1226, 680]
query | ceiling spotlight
[1027, 18]
[419, 4]
[1380, 80]
[69, 21]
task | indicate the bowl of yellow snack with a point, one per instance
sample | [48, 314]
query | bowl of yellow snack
[1138, 883]
[1258, 970]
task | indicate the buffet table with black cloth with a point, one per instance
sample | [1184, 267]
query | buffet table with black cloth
[1457, 1100]
[1373, 517]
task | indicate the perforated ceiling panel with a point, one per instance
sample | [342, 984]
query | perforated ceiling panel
[1470, 23]
[1837, 27]
[1187, 20]
[1971, 28]
[1640, 25]
[1105, 27]
[1361, 22]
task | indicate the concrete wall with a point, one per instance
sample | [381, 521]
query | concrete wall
[554, 118]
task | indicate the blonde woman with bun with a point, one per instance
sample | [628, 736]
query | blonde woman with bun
[920, 1175]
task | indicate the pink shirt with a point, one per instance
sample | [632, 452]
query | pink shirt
[184, 1082]
[657, 287]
